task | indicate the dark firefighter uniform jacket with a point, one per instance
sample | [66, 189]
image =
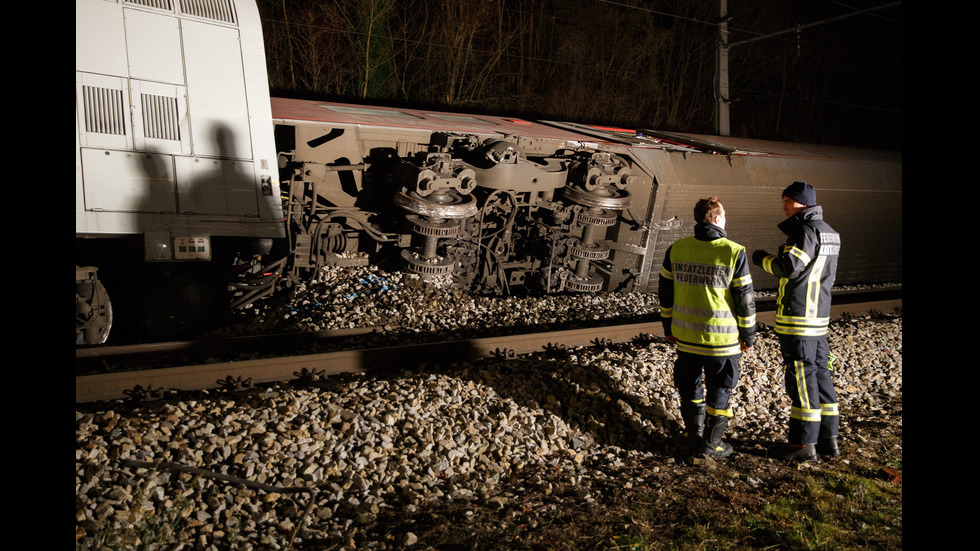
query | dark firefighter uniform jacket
[806, 267]
[707, 301]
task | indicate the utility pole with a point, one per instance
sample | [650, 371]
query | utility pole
[722, 100]
[721, 71]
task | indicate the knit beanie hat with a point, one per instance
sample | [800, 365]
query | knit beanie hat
[801, 192]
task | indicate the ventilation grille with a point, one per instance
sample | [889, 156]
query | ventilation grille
[215, 10]
[160, 117]
[104, 110]
[159, 4]
[218, 10]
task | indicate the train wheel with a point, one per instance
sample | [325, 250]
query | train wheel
[93, 311]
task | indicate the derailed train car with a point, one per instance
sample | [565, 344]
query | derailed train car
[490, 204]
[501, 203]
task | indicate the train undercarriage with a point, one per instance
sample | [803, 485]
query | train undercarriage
[479, 213]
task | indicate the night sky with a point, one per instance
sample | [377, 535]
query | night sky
[843, 66]
[808, 71]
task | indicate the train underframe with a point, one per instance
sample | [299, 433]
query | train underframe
[479, 213]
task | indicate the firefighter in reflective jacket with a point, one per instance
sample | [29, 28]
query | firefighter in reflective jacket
[806, 267]
[707, 304]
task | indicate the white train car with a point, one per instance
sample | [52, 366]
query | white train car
[174, 150]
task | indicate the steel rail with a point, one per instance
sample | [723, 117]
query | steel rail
[113, 386]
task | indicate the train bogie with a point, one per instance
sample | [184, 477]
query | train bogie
[495, 204]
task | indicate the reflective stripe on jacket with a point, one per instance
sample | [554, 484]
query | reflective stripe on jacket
[707, 301]
[806, 267]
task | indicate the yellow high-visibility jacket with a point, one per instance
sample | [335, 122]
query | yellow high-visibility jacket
[707, 301]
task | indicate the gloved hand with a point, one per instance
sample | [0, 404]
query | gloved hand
[758, 256]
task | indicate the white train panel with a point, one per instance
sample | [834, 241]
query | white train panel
[174, 132]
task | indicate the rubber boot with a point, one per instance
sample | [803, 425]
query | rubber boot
[713, 446]
[798, 453]
[693, 417]
[827, 439]
[827, 446]
[799, 431]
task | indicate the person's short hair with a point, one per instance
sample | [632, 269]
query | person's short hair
[707, 209]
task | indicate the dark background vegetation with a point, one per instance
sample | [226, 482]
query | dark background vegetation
[810, 74]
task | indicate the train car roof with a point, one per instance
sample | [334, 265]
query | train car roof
[288, 109]
[728, 145]
[791, 149]
[399, 117]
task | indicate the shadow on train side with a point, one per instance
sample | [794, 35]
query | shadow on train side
[168, 298]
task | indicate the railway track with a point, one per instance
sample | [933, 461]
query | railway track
[199, 373]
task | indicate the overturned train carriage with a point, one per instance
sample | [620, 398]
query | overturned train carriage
[505, 205]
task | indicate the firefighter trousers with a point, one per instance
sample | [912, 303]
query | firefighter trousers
[707, 379]
[810, 385]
